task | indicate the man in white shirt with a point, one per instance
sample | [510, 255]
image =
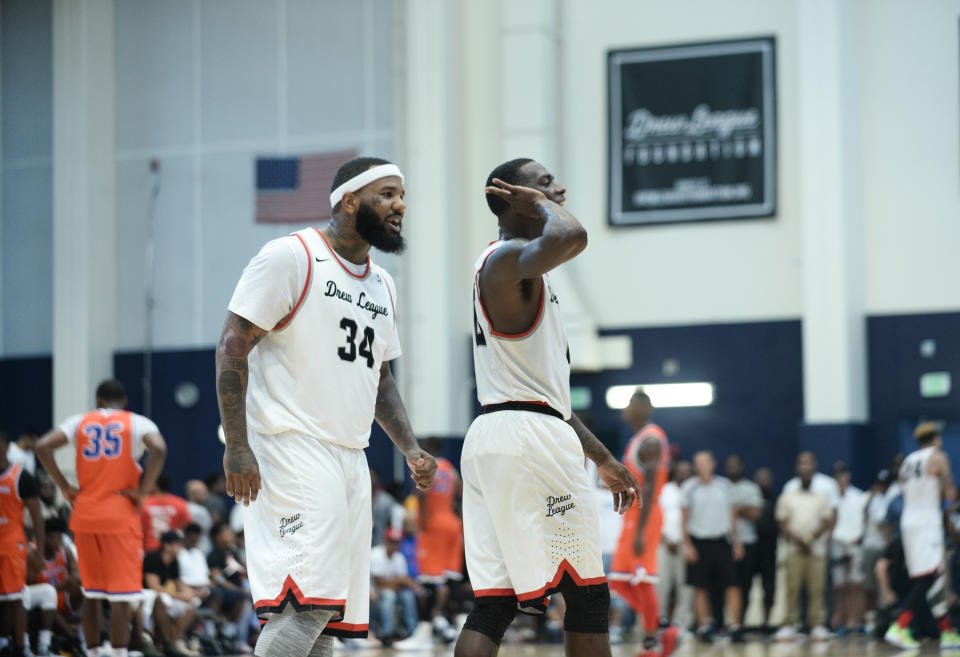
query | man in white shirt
[805, 516]
[672, 590]
[711, 544]
[874, 535]
[22, 451]
[820, 483]
[393, 587]
[846, 554]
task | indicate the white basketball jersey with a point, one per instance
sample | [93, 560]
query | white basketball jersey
[318, 371]
[921, 490]
[533, 366]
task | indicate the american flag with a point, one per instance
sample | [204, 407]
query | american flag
[296, 190]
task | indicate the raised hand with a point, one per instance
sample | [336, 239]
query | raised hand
[523, 200]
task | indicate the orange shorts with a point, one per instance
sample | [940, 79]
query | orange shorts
[440, 550]
[111, 566]
[13, 575]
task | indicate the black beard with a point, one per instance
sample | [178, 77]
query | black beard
[374, 230]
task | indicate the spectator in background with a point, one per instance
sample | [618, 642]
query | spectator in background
[672, 589]
[394, 589]
[805, 516]
[767, 533]
[52, 505]
[216, 501]
[167, 600]
[846, 554]
[197, 493]
[711, 544]
[22, 451]
[229, 601]
[387, 512]
[821, 483]
[874, 536]
[162, 511]
[226, 567]
[748, 505]
[54, 585]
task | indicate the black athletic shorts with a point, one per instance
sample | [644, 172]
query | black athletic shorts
[714, 567]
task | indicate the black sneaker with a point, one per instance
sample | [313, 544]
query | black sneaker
[736, 634]
[705, 634]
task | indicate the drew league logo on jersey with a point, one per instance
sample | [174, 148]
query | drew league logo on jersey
[558, 506]
[362, 303]
[290, 525]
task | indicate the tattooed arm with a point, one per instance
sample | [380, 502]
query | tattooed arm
[614, 474]
[239, 337]
[392, 417]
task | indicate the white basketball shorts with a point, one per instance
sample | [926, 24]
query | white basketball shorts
[923, 544]
[528, 513]
[308, 533]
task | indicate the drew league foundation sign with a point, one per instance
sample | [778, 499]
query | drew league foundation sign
[692, 132]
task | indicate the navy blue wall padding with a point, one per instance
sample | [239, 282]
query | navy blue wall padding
[26, 400]
[757, 372]
[850, 443]
[895, 367]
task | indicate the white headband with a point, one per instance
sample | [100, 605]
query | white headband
[364, 179]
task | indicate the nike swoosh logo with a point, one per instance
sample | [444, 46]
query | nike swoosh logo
[322, 259]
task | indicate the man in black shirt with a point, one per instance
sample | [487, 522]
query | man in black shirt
[167, 599]
[767, 531]
[226, 566]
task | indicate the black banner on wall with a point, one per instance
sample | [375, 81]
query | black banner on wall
[692, 132]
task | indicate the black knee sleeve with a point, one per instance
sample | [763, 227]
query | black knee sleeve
[588, 609]
[491, 617]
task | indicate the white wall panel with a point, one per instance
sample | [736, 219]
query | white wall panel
[154, 64]
[239, 69]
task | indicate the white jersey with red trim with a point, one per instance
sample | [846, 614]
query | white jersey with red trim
[921, 523]
[533, 366]
[317, 371]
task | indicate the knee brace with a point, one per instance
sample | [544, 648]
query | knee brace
[491, 617]
[588, 609]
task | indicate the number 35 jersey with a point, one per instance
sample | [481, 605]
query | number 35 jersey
[109, 444]
[330, 326]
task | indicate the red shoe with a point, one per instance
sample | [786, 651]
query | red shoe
[669, 640]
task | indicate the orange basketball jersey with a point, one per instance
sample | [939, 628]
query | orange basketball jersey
[106, 465]
[625, 560]
[55, 570]
[12, 537]
[441, 498]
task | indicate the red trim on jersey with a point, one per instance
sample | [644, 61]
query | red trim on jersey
[393, 305]
[289, 586]
[347, 627]
[306, 286]
[366, 272]
[536, 321]
[926, 574]
[489, 593]
[564, 567]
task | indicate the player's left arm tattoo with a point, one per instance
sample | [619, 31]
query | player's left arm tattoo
[592, 447]
[391, 414]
